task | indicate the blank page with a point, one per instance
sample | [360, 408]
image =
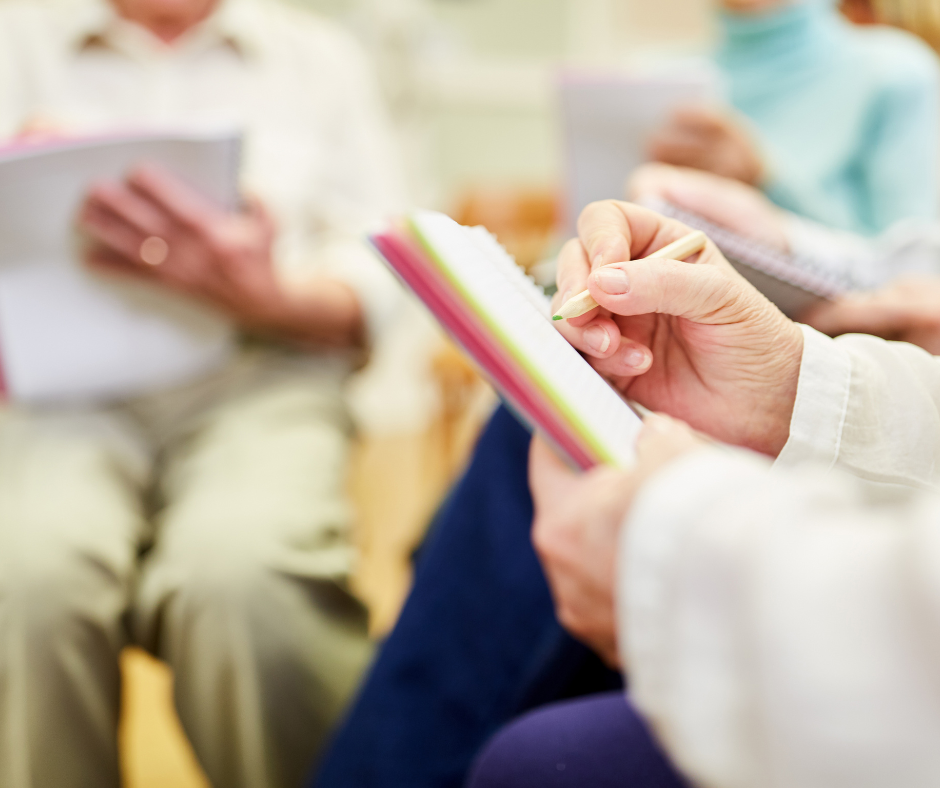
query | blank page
[68, 335]
[518, 313]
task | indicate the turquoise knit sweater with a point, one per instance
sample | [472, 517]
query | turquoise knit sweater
[849, 118]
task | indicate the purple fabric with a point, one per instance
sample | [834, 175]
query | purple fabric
[595, 742]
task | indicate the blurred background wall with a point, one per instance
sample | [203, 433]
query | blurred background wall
[471, 81]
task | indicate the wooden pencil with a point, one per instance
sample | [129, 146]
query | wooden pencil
[685, 247]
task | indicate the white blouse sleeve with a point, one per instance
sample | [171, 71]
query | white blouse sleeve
[782, 628]
[781, 623]
[869, 407]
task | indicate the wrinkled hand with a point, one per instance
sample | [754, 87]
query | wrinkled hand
[706, 139]
[908, 310]
[722, 201]
[154, 227]
[694, 340]
[578, 518]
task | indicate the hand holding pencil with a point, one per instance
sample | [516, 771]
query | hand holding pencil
[696, 341]
[685, 247]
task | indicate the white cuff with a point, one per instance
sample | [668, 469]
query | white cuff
[821, 402]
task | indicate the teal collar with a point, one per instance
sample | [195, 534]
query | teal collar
[765, 52]
[788, 26]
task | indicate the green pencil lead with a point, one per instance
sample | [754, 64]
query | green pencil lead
[557, 317]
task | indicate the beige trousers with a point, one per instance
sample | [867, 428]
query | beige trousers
[208, 524]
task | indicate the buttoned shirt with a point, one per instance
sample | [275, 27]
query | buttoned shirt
[781, 625]
[317, 145]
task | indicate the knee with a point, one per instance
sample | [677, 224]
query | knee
[506, 761]
[210, 600]
[224, 583]
[59, 596]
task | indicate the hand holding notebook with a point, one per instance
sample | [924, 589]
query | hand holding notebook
[503, 320]
[693, 340]
[68, 334]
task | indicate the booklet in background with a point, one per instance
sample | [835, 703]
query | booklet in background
[503, 320]
[70, 335]
[608, 119]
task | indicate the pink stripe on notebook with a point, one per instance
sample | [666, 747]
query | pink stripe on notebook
[411, 263]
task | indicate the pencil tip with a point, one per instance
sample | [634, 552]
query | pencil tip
[557, 317]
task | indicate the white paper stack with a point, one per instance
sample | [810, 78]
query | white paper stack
[69, 335]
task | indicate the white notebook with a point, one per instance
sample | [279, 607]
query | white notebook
[503, 319]
[68, 335]
[792, 282]
[608, 120]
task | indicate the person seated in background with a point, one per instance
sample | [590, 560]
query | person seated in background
[839, 123]
[208, 523]
[778, 620]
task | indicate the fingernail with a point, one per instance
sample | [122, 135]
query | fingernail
[635, 358]
[597, 339]
[613, 281]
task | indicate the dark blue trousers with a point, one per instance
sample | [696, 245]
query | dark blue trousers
[595, 742]
[477, 643]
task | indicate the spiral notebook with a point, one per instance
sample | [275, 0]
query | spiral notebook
[792, 282]
[503, 320]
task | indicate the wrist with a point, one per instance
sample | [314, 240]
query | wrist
[327, 313]
[773, 428]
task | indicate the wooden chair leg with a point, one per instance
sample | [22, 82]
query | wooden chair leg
[154, 750]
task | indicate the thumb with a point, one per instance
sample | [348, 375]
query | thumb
[700, 292]
[550, 480]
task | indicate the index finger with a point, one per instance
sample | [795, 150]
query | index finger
[616, 232]
[181, 202]
[596, 326]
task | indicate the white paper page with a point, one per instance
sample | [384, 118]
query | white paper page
[515, 308]
[608, 122]
[68, 335]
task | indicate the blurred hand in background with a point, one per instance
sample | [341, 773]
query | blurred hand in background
[908, 310]
[154, 227]
[722, 201]
[710, 140]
